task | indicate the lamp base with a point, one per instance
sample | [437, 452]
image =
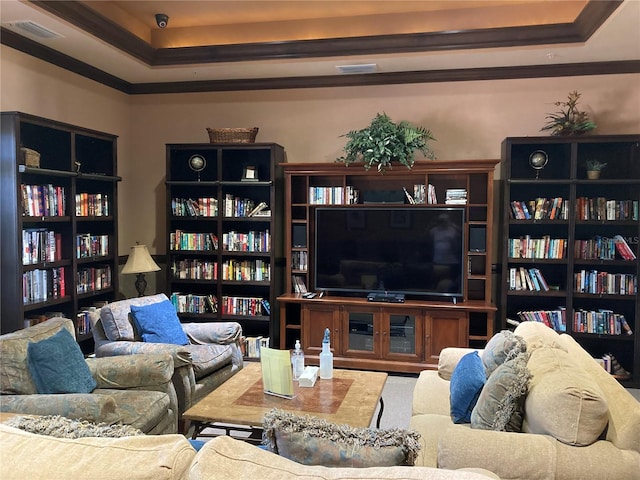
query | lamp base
[141, 284]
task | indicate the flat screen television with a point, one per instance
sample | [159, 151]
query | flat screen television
[412, 250]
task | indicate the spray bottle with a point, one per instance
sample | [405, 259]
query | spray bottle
[326, 357]
[297, 360]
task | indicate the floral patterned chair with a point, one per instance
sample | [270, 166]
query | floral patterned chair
[211, 355]
[136, 390]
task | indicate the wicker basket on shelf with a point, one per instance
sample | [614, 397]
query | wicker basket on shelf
[31, 157]
[232, 135]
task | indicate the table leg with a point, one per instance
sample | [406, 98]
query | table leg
[380, 413]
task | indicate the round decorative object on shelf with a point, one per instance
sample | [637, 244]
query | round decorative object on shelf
[197, 163]
[538, 160]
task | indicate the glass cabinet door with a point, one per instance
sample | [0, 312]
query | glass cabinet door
[402, 334]
[361, 331]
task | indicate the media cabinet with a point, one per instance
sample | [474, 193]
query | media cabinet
[401, 337]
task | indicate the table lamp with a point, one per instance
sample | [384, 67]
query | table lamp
[140, 262]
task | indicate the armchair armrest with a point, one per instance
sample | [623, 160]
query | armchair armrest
[85, 406]
[180, 354]
[222, 333]
[132, 371]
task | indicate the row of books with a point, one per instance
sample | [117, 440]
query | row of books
[605, 283]
[300, 261]
[40, 285]
[88, 245]
[333, 195]
[92, 205]
[43, 200]
[92, 279]
[252, 241]
[540, 209]
[544, 247]
[241, 207]
[246, 270]
[252, 345]
[298, 284]
[527, 279]
[556, 319]
[37, 318]
[188, 207]
[41, 245]
[601, 208]
[193, 303]
[245, 306]
[605, 322]
[424, 194]
[181, 240]
[603, 248]
[194, 269]
[455, 196]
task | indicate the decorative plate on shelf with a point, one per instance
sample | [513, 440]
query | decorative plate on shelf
[197, 163]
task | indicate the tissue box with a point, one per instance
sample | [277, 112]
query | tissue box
[308, 377]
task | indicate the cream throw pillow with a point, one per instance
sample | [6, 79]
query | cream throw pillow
[564, 401]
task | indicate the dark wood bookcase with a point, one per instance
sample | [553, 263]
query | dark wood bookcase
[59, 222]
[367, 334]
[224, 265]
[587, 284]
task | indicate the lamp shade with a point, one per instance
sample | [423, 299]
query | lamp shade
[140, 261]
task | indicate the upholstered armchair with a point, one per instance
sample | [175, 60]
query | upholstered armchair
[209, 354]
[39, 363]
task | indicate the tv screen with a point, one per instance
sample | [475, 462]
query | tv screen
[416, 251]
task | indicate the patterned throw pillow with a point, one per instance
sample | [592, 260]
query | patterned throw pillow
[501, 402]
[466, 384]
[57, 365]
[503, 346]
[314, 441]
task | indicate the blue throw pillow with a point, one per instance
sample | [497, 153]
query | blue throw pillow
[467, 381]
[57, 365]
[159, 323]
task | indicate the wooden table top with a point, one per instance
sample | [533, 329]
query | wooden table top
[350, 397]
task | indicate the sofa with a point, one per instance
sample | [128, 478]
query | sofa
[212, 355]
[135, 390]
[578, 422]
[171, 457]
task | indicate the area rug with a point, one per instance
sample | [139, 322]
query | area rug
[62, 427]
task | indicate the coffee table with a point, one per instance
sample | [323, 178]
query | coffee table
[239, 404]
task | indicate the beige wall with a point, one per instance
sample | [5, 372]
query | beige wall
[469, 120]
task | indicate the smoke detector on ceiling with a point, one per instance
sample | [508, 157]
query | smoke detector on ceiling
[33, 29]
[359, 68]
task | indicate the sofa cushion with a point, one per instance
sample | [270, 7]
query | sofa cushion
[237, 460]
[142, 409]
[62, 427]
[40, 457]
[501, 402]
[537, 335]
[314, 441]
[116, 319]
[57, 365]
[467, 381]
[564, 401]
[503, 346]
[159, 323]
[15, 378]
[448, 360]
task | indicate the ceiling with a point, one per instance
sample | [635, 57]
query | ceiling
[242, 44]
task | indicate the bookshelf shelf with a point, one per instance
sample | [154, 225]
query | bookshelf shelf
[597, 213]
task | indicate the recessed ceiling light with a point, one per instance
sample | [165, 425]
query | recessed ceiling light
[360, 68]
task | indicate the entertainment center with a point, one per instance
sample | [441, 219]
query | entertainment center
[399, 262]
